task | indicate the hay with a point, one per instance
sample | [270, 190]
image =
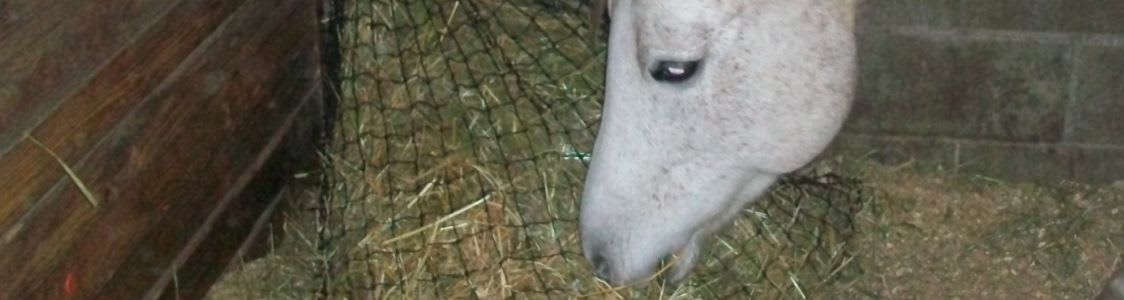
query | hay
[932, 233]
[921, 233]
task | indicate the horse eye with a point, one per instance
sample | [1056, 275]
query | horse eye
[674, 71]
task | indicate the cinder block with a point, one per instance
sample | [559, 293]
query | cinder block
[1093, 16]
[892, 150]
[1097, 117]
[1046, 164]
[1020, 162]
[975, 90]
[932, 13]
[1098, 164]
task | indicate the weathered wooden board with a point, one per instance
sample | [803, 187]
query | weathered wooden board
[71, 130]
[182, 117]
[51, 48]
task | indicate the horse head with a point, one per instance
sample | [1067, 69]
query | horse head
[707, 103]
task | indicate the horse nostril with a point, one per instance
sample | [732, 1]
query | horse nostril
[600, 266]
[674, 71]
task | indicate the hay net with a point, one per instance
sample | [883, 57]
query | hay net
[455, 168]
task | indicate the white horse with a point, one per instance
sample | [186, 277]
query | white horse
[707, 103]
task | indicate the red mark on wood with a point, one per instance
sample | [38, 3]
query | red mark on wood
[70, 285]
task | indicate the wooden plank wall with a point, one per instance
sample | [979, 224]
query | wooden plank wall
[182, 118]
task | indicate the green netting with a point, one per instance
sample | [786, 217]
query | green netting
[456, 167]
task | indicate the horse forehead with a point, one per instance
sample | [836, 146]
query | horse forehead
[674, 11]
[680, 25]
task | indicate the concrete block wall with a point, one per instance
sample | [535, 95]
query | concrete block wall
[1025, 90]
